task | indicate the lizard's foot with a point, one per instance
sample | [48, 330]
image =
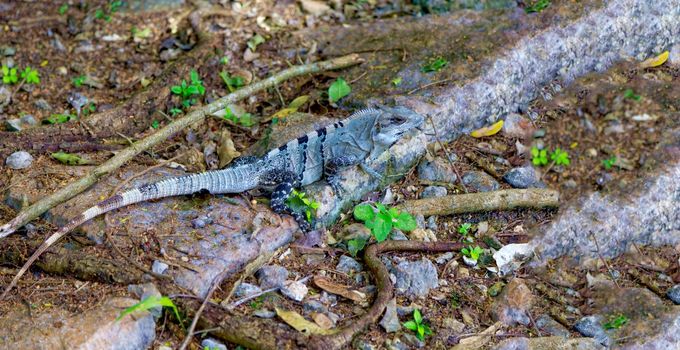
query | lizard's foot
[368, 170]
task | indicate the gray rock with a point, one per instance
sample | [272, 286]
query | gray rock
[444, 258]
[516, 125]
[13, 124]
[19, 160]
[397, 235]
[144, 291]
[548, 343]
[674, 294]
[42, 104]
[390, 321]
[437, 170]
[29, 120]
[264, 313]
[480, 181]
[522, 177]
[363, 345]
[159, 267]
[454, 325]
[591, 326]
[396, 344]
[314, 306]
[434, 191]
[212, 344]
[328, 299]
[348, 265]
[548, 325]
[271, 276]
[246, 289]
[415, 278]
[432, 223]
[294, 290]
[674, 55]
[201, 221]
[8, 51]
[5, 97]
[411, 339]
[77, 100]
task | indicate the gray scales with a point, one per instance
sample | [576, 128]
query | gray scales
[357, 140]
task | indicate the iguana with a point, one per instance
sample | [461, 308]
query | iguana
[357, 140]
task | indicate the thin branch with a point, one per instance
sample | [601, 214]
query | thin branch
[197, 115]
[216, 283]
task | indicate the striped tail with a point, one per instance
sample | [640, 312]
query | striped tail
[230, 180]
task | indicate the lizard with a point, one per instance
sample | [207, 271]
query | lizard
[356, 140]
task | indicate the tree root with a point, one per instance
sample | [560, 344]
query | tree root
[256, 333]
[483, 201]
[164, 133]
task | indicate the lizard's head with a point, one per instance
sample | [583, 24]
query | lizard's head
[393, 123]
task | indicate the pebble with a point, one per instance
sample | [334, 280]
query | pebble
[77, 100]
[539, 133]
[516, 125]
[437, 170]
[548, 325]
[480, 181]
[674, 294]
[591, 326]
[264, 313]
[390, 321]
[212, 344]
[522, 177]
[246, 289]
[29, 120]
[453, 325]
[415, 278]
[674, 56]
[5, 97]
[201, 221]
[363, 345]
[271, 276]
[159, 267]
[348, 265]
[314, 306]
[444, 258]
[19, 160]
[42, 104]
[13, 124]
[411, 339]
[397, 235]
[434, 191]
[8, 51]
[294, 290]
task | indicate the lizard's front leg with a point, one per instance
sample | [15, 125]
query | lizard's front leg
[285, 183]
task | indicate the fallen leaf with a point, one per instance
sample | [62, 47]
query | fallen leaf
[655, 61]
[488, 130]
[300, 324]
[70, 159]
[339, 289]
[226, 151]
[298, 101]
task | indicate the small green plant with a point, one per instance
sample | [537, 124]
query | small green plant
[354, 246]
[255, 41]
[338, 89]
[257, 303]
[396, 81]
[188, 91]
[155, 124]
[298, 201]
[89, 109]
[380, 219]
[560, 157]
[9, 75]
[631, 95]
[111, 8]
[62, 9]
[79, 80]
[59, 118]
[539, 156]
[175, 111]
[609, 162]
[246, 119]
[615, 322]
[537, 6]
[472, 253]
[464, 231]
[421, 329]
[30, 76]
[150, 303]
[224, 60]
[232, 82]
[434, 66]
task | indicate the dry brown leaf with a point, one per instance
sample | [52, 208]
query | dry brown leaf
[322, 320]
[226, 150]
[301, 324]
[339, 289]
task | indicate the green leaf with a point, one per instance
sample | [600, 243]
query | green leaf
[411, 325]
[560, 157]
[62, 9]
[70, 159]
[405, 222]
[537, 6]
[150, 303]
[30, 76]
[253, 42]
[155, 124]
[363, 212]
[298, 102]
[58, 118]
[630, 94]
[356, 245]
[177, 90]
[417, 316]
[435, 65]
[616, 323]
[420, 333]
[338, 89]
[396, 81]
[195, 78]
[381, 228]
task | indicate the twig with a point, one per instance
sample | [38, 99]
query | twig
[611, 272]
[483, 201]
[164, 133]
[428, 85]
[216, 283]
[446, 152]
[253, 296]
